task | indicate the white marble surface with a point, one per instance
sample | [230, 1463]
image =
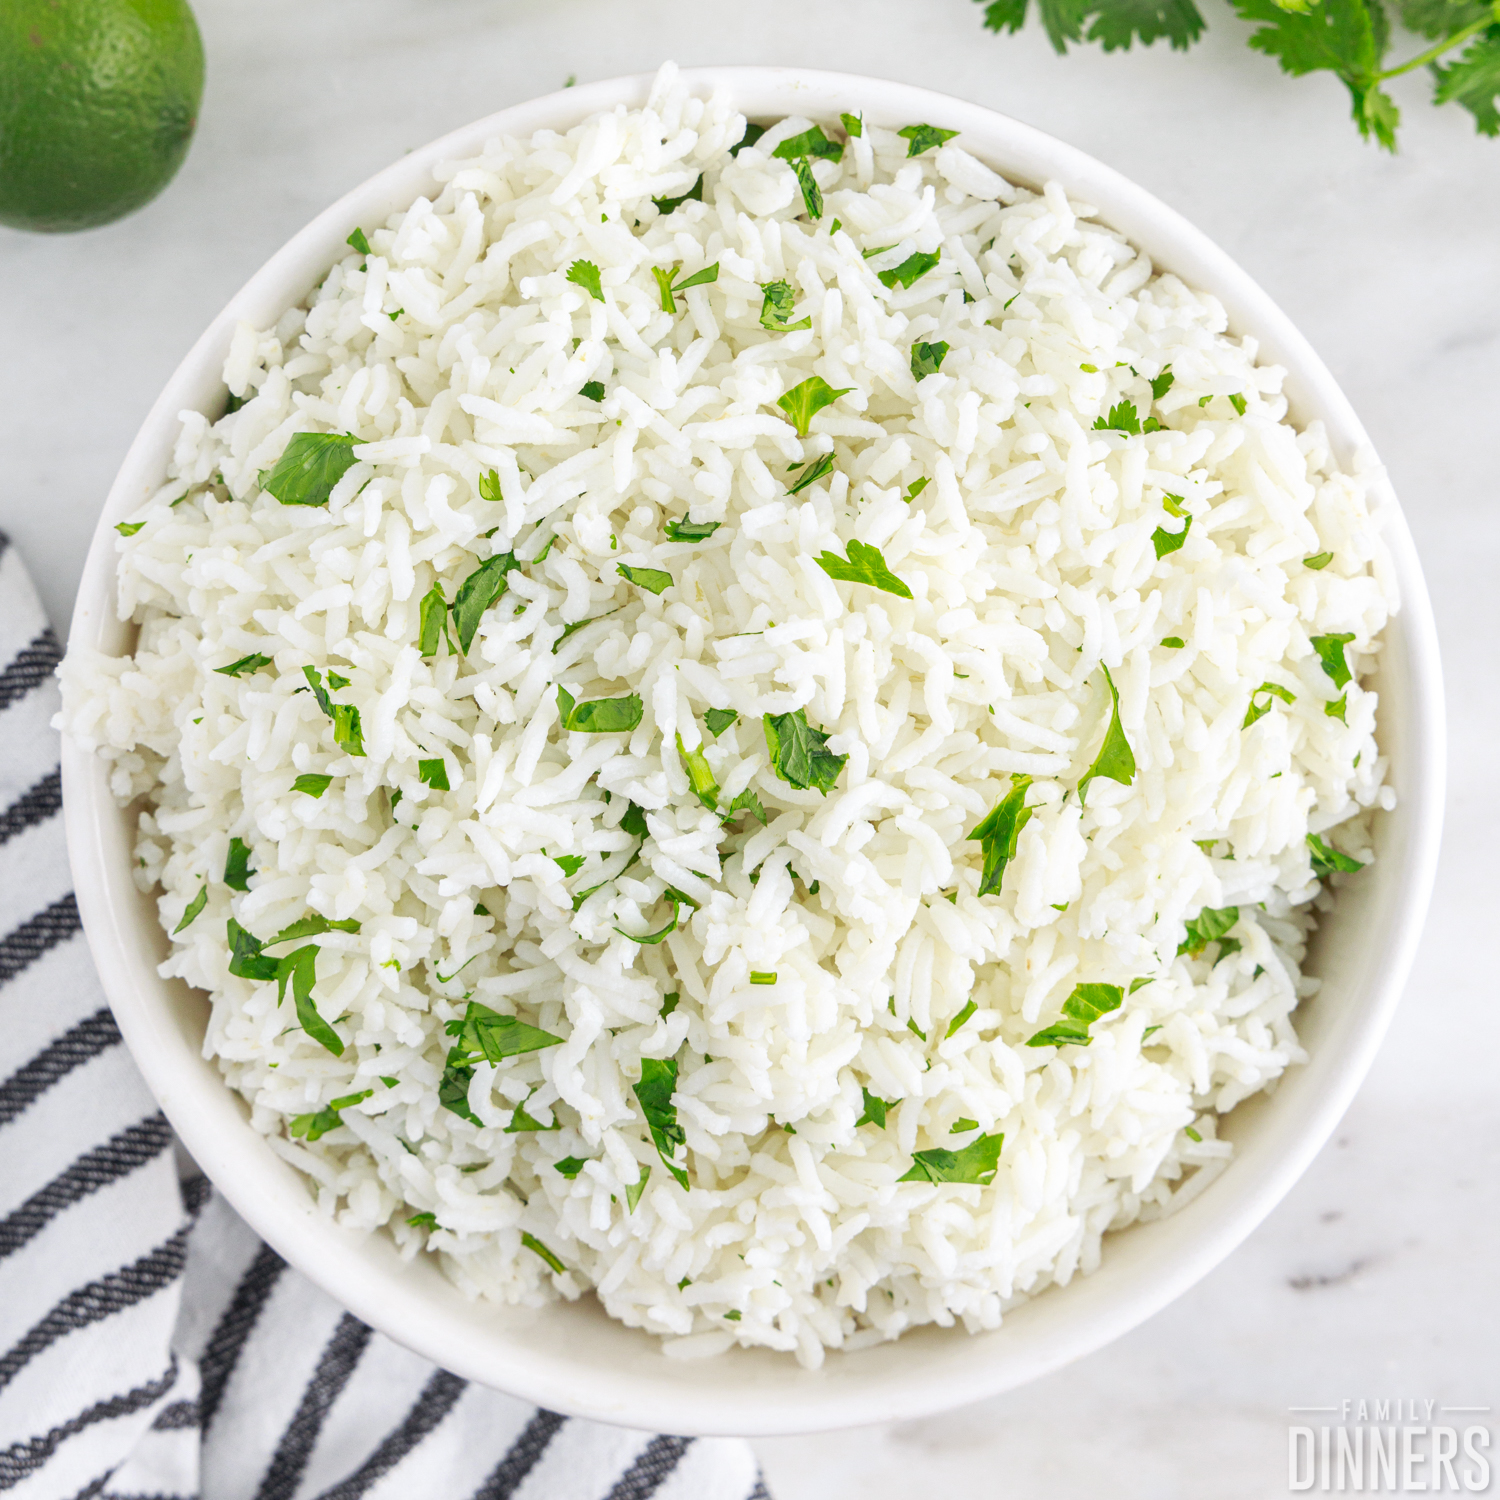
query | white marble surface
[1375, 1277]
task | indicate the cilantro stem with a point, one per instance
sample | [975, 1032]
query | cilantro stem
[1436, 51]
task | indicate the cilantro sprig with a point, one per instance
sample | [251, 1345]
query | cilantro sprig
[863, 564]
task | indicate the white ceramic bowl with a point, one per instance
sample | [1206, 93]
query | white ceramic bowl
[573, 1358]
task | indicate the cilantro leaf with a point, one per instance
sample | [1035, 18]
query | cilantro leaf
[246, 960]
[799, 753]
[974, 1166]
[811, 474]
[811, 143]
[654, 1092]
[1122, 418]
[1326, 859]
[1260, 710]
[999, 831]
[346, 729]
[569, 864]
[1174, 642]
[489, 487]
[752, 134]
[854, 125]
[359, 242]
[969, 1008]
[432, 617]
[669, 289]
[245, 664]
[670, 205]
[1080, 1010]
[691, 531]
[585, 273]
[1337, 708]
[477, 593]
[927, 359]
[310, 466]
[805, 400]
[634, 821]
[129, 528]
[1473, 81]
[917, 486]
[652, 579]
[912, 269]
[812, 194]
[864, 564]
[311, 926]
[920, 138]
[748, 802]
[875, 1109]
[719, 719]
[570, 1166]
[434, 773]
[1317, 561]
[191, 911]
[237, 871]
[1167, 542]
[599, 715]
[1163, 382]
[592, 390]
[300, 967]
[700, 777]
[310, 1127]
[426, 1220]
[484, 1035]
[1345, 37]
[1209, 926]
[1115, 760]
[634, 1190]
[453, 1092]
[778, 300]
[579, 624]
[1330, 649]
[532, 1243]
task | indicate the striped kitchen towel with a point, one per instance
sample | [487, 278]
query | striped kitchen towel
[153, 1347]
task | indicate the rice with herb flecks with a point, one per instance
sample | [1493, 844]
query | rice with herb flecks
[768, 758]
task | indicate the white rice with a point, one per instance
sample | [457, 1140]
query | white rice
[1031, 560]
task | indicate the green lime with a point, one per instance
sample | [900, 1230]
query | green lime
[98, 99]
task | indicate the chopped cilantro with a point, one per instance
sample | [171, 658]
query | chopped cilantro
[532, 1243]
[1166, 541]
[1115, 760]
[300, 967]
[1238, 403]
[1260, 710]
[432, 617]
[237, 871]
[634, 821]
[1337, 708]
[311, 464]
[927, 359]
[734, 1315]
[762, 976]
[434, 773]
[1141, 982]
[669, 289]
[579, 624]
[748, 802]
[1122, 418]
[1080, 1010]
[863, 564]
[570, 1166]
[484, 1035]
[310, 1127]
[650, 939]
[812, 194]
[999, 831]
[669, 1004]
[654, 1092]
[521, 1121]
[920, 138]
[811, 143]
[917, 486]
[962, 1126]
[477, 593]
[245, 664]
[311, 926]
[599, 715]
[776, 308]
[875, 1109]
[1317, 561]
[1191, 1134]
[1211, 925]
[910, 270]
[489, 487]
[700, 777]
[719, 719]
[804, 401]
[691, 531]
[585, 273]
[799, 753]
[1326, 859]
[634, 1189]
[854, 125]
[425, 1220]
[752, 134]
[1176, 642]
[359, 242]
[1149, 1031]
[670, 205]
[246, 961]
[191, 911]
[593, 390]
[652, 579]
[812, 473]
[1162, 383]
[569, 864]
[975, 1165]
[961, 1017]
[1330, 649]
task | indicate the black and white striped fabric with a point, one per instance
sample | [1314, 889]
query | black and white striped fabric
[153, 1347]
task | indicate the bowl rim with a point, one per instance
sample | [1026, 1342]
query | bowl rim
[774, 1398]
